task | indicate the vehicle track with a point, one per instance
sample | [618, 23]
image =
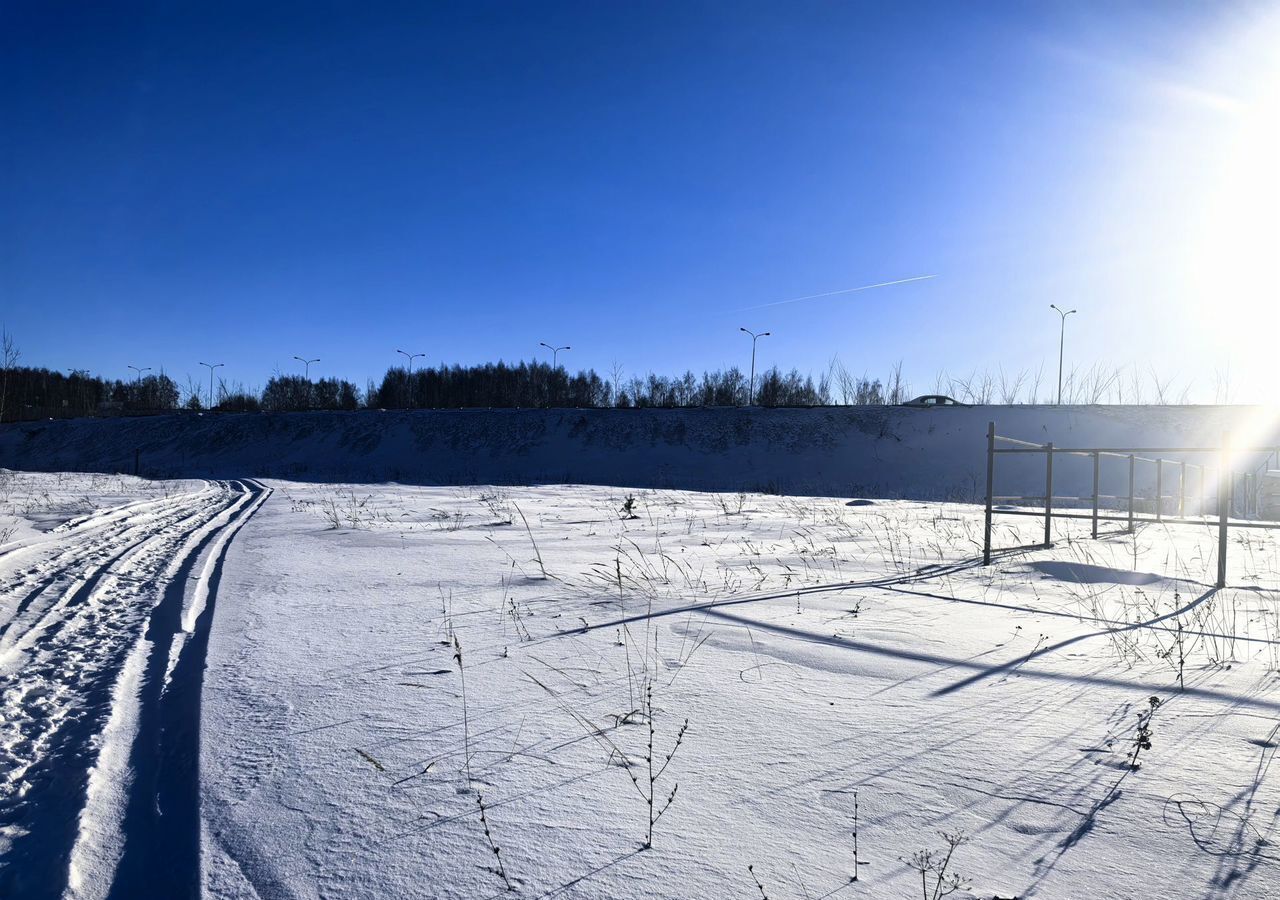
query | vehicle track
[110, 628]
[81, 549]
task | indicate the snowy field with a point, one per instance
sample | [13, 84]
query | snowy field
[287, 690]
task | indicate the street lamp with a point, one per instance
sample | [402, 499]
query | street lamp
[751, 394]
[307, 363]
[211, 368]
[138, 380]
[555, 353]
[1062, 337]
[411, 357]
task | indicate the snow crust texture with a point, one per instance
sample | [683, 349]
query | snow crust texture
[243, 689]
[386, 657]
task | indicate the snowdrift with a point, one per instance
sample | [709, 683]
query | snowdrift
[934, 454]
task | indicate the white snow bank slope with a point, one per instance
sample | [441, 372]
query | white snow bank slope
[823, 656]
[876, 451]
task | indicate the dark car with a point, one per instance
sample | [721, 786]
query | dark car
[929, 401]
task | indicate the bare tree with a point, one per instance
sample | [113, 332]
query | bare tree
[1034, 390]
[845, 383]
[1161, 388]
[192, 394]
[1011, 387]
[1136, 392]
[824, 389]
[976, 389]
[9, 356]
[615, 383]
[1070, 387]
[986, 388]
[896, 390]
[1222, 385]
[868, 392]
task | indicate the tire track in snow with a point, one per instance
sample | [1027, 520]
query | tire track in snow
[99, 519]
[161, 824]
[98, 845]
[127, 516]
[92, 546]
[66, 606]
[46, 673]
[70, 673]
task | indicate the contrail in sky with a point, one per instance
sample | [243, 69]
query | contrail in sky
[852, 290]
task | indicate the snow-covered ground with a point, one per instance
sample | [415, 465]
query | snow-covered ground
[105, 608]
[381, 659]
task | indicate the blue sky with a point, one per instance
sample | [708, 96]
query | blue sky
[233, 183]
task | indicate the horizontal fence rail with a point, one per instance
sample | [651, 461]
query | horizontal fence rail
[1189, 500]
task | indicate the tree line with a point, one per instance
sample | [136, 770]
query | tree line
[28, 393]
[33, 393]
[535, 384]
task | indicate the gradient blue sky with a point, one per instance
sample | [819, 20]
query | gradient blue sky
[245, 182]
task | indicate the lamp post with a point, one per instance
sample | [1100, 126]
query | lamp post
[411, 357]
[1062, 337]
[555, 353]
[211, 368]
[307, 363]
[307, 375]
[751, 393]
[138, 379]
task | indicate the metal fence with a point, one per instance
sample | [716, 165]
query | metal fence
[1197, 506]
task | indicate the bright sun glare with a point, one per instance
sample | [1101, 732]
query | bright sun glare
[1235, 249]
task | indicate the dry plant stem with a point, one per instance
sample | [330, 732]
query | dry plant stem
[759, 886]
[466, 728]
[649, 793]
[936, 864]
[1142, 737]
[537, 555]
[488, 835]
[856, 861]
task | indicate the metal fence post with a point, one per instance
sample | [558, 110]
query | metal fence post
[1095, 493]
[1048, 495]
[1182, 489]
[1131, 462]
[1224, 506]
[1159, 489]
[991, 472]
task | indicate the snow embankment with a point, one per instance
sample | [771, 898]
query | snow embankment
[872, 451]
